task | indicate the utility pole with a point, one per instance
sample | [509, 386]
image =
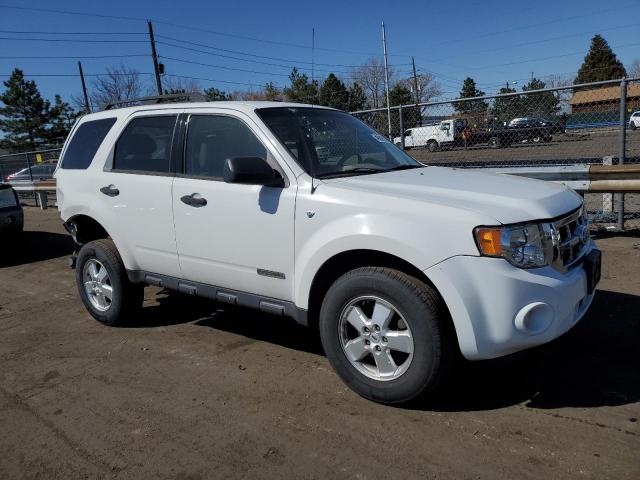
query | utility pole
[313, 51]
[415, 81]
[154, 56]
[84, 89]
[386, 77]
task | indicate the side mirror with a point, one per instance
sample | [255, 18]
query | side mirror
[251, 171]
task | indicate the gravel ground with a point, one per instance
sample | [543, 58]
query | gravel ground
[193, 390]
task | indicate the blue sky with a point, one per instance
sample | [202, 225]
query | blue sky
[491, 41]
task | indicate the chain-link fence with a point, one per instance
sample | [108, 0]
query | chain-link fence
[578, 124]
[21, 169]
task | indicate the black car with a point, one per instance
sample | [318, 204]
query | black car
[524, 129]
[11, 215]
[34, 173]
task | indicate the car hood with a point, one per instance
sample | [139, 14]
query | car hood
[507, 198]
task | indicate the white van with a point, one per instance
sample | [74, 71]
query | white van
[434, 137]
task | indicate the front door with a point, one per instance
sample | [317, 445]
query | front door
[233, 236]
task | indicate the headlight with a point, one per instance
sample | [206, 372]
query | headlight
[525, 246]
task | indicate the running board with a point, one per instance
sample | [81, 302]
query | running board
[270, 305]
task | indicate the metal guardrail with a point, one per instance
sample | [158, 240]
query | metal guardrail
[581, 178]
[40, 189]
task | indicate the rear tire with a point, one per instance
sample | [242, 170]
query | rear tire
[407, 355]
[495, 142]
[103, 284]
[433, 146]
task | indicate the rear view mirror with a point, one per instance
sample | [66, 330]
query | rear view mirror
[251, 171]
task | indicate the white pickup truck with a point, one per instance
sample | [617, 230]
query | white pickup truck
[306, 212]
[433, 137]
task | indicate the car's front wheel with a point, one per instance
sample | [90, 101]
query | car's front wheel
[386, 334]
[103, 285]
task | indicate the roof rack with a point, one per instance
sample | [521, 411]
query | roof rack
[172, 98]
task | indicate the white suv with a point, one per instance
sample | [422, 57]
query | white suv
[307, 212]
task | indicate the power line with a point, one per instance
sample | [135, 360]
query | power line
[40, 32]
[264, 56]
[41, 57]
[68, 40]
[223, 67]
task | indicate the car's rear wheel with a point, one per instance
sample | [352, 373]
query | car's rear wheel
[495, 142]
[386, 334]
[103, 285]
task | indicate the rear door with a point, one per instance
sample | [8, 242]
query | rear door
[238, 237]
[135, 187]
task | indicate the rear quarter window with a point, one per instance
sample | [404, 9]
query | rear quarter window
[85, 143]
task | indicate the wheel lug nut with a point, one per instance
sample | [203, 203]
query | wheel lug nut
[384, 339]
[378, 348]
[366, 329]
[367, 342]
[377, 328]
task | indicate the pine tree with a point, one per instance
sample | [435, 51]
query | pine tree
[357, 98]
[469, 90]
[215, 95]
[505, 109]
[600, 63]
[63, 118]
[25, 113]
[271, 92]
[540, 104]
[401, 95]
[301, 90]
[333, 93]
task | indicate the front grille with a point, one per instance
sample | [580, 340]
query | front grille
[571, 237]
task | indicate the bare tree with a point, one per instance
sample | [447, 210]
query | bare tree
[634, 69]
[118, 84]
[370, 76]
[428, 88]
[175, 84]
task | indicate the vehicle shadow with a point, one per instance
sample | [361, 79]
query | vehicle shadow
[174, 309]
[33, 246]
[594, 365]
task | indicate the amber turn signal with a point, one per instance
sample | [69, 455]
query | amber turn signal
[488, 240]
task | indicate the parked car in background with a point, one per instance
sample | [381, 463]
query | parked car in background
[34, 173]
[634, 121]
[11, 216]
[520, 130]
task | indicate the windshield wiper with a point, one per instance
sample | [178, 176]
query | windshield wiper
[356, 170]
[404, 167]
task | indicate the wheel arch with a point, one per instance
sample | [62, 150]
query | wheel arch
[345, 261]
[84, 229]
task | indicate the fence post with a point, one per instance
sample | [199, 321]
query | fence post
[623, 146]
[26, 155]
[401, 127]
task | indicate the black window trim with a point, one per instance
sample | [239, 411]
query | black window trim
[180, 172]
[172, 157]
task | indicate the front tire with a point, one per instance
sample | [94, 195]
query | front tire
[103, 285]
[386, 334]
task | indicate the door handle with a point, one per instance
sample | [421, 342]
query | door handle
[110, 190]
[194, 200]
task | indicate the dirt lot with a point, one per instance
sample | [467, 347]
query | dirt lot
[195, 391]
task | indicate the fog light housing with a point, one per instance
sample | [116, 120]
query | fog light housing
[535, 318]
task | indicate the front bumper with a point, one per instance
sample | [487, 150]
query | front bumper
[499, 309]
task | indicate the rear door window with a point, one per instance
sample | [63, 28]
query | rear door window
[145, 145]
[7, 198]
[85, 143]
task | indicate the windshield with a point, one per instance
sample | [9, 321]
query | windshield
[329, 143]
